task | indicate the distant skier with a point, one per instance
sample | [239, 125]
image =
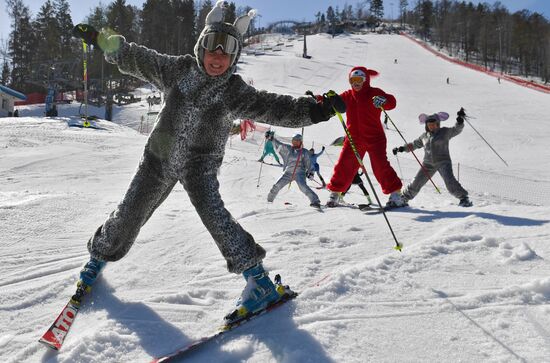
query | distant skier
[363, 105]
[435, 141]
[315, 165]
[359, 182]
[297, 165]
[268, 147]
[203, 97]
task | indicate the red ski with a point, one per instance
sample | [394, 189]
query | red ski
[55, 335]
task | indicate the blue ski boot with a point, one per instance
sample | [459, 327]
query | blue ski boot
[258, 294]
[90, 271]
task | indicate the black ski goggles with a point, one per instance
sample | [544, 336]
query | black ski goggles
[228, 43]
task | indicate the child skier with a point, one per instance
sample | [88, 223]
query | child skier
[315, 165]
[268, 148]
[203, 96]
[359, 182]
[297, 166]
[435, 141]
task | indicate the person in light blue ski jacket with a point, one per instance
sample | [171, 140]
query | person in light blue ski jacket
[297, 165]
[316, 169]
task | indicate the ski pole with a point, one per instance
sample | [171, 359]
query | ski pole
[399, 165]
[398, 245]
[466, 119]
[258, 184]
[297, 160]
[85, 66]
[329, 158]
[316, 181]
[262, 144]
[411, 150]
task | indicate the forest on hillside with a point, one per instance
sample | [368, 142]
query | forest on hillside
[40, 52]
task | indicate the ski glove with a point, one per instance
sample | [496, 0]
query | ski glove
[379, 101]
[310, 175]
[461, 114]
[324, 107]
[107, 41]
[399, 149]
[87, 33]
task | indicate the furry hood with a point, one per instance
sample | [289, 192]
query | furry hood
[368, 74]
[215, 23]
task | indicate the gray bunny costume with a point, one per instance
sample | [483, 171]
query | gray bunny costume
[436, 159]
[188, 142]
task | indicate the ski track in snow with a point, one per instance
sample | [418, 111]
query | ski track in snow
[470, 284]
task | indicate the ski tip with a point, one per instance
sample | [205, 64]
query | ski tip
[398, 247]
[54, 346]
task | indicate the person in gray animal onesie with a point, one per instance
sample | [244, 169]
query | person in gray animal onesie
[435, 141]
[296, 166]
[202, 97]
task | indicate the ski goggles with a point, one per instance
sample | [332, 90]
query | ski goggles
[357, 76]
[228, 43]
[356, 79]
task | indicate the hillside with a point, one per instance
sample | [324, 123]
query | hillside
[470, 285]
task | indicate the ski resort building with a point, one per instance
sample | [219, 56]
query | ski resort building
[8, 97]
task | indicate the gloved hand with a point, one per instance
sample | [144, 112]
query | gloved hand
[310, 175]
[379, 101]
[323, 148]
[325, 105]
[87, 33]
[399, 149]
[460, 115]
[105, 40]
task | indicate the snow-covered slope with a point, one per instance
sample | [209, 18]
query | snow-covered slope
[471, 284]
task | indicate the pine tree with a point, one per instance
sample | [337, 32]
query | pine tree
[67, 46]
[403, 4]
[377, 9]
[122, 19]
[203, 11]
[21, 44]
[230, 13]
[5, 72]
[331, 16]
[184, 36]
[46, 27]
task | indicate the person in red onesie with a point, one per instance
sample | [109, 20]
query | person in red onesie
[363, 111]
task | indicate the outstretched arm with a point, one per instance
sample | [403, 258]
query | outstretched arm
[283, 149]
[271, 108]
[147, 64]
[132, 59]
[416, 144]
[280, 110]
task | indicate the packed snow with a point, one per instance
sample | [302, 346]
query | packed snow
[471, 284]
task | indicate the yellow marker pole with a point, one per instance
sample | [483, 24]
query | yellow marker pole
[85, 63]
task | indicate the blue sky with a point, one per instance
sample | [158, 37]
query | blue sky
[269, 10]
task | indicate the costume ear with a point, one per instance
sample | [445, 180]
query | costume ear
[372, 72]
[243, 22]
[442, 116]
[216, 14]
[422, 118]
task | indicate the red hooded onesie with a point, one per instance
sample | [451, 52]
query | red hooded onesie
[363, 122]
